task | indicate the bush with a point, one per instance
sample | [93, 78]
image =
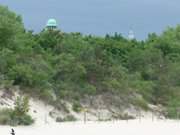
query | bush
[5, 116]
[124, 116]
[9, 117]
[171, 113]
[77, 107]
[67, 118]
[19, 115]
[70, 118]
[59, 119]
[22, 120]
[21, 106]
[140, 102]
[173, 109]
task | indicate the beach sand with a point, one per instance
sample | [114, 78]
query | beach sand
[131, 127]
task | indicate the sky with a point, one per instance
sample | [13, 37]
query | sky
[99, 17]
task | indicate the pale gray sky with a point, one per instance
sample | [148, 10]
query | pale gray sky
[99, 17]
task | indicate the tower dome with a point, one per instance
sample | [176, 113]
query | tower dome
[51, 24]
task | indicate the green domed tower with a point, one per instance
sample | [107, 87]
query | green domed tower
[51, 24]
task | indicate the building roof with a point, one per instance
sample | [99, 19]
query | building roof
[51, 23]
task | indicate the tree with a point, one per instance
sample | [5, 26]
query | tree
[10, 26]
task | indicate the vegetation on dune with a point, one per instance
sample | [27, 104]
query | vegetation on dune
[18, 115]
[72, 65]
[68, 118]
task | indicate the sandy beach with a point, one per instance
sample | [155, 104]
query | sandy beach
[132, 127]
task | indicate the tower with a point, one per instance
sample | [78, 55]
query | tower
[131, 35]
[51, 24]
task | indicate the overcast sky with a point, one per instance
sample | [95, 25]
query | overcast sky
[99, 17]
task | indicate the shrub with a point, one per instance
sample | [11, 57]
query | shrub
[19, 115]
[22, 120]
[65, 119]
[124, 116]
[171, 113]
[59, 119]
[140, 102]
[9, 117]
[21, 106]
[173, 109]
[70, 118]
[5, 118]
[77, 107]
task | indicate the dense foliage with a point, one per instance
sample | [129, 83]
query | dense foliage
[71, 65]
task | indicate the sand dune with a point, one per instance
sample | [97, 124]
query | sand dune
[39, 111]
